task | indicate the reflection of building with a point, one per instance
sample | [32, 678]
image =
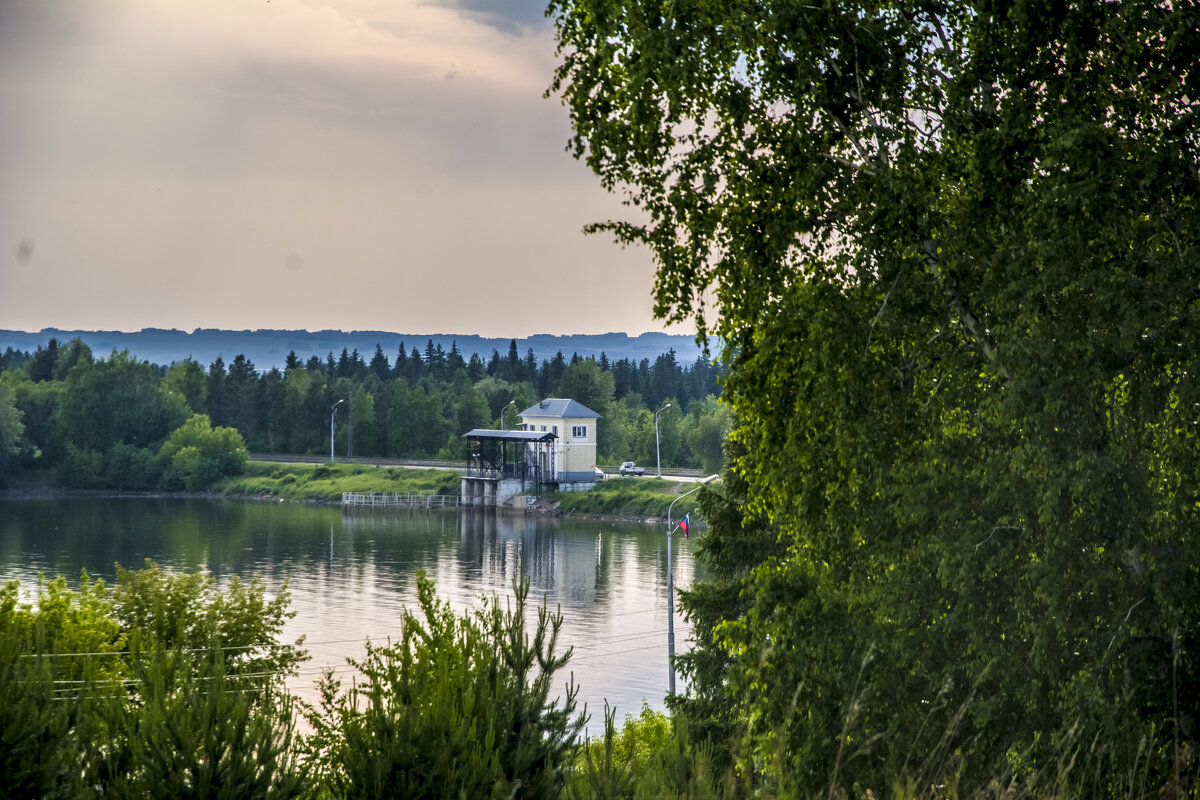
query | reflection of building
[556, 449]
[564, 562]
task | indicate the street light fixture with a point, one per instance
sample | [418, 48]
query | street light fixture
[332, 416]
[510, 403]
[671, 586]
[657, 453]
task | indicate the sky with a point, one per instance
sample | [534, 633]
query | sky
[348, 164]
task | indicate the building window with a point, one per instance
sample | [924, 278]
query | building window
[555, 429]
[579, 431]
[543, 429]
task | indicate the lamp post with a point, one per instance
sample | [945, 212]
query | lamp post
[657, 452]
[510, 403]
[671, 587]
[332, 416]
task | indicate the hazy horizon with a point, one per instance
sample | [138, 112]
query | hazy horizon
[294, 164]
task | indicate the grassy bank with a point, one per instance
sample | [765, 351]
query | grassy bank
[326, 482]
[625, 498]
[628, 497]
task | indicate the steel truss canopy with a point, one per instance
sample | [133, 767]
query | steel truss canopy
[509, 436]
[509, 455]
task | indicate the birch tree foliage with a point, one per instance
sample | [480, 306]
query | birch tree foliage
[951, 251]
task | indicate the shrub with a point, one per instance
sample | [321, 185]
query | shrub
[196, 455]
[459, 707]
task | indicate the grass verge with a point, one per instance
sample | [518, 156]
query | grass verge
[628, 497]
[326, 482]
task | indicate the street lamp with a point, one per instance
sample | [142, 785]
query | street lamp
[671, 586]
[510, 403]
[657, 454]
[332, 416]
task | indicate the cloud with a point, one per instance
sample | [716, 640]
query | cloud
[323, 164]
[512, 16]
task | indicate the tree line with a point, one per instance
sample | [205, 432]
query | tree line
[102, 422]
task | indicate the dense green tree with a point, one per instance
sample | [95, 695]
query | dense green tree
[241, 395]
[270, 395]
[217, 393]
[472, 412]
[666, 380]
[12, 431]
[37, 403]
[475, 368]
[115, 401]
[454, 359]
[363, 420]
[196, 455]
[186, 610]
[195, 731]
[41, 365]
[187, 379]
[551, 374]
[160, 687]
[379, 364]
[707, 430]
[586, 383]
[11, 359]
[69, 355]
[733, 545]
[954, 251]
[296, 386]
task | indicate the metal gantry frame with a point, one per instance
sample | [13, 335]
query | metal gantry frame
[508, 455]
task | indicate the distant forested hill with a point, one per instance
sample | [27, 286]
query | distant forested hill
[269, 348]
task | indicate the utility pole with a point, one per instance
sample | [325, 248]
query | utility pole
[657, 453]
[332, 417]
[671, 587]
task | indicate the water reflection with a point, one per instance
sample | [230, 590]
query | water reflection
[352, 575]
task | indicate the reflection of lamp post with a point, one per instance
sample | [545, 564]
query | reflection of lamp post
[332, 416]
[657, 454]
[510, 403]
[671, 587]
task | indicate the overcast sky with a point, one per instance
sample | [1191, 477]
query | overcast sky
[353, 164]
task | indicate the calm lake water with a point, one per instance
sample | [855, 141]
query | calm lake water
[352, 575]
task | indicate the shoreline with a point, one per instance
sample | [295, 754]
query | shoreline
[34, 492]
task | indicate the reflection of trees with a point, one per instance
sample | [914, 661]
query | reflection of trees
[580, 563]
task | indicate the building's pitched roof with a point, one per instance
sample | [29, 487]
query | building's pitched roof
[509, 436]
[560, 408]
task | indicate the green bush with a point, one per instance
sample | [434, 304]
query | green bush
[160, 687]
[459, 707]
[82, 468]
[196, 455]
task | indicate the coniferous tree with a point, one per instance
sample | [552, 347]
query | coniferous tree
[475, 368]
[379, 364]
[459, 707]
[41, 366]
[529, 367]
[241, 397]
